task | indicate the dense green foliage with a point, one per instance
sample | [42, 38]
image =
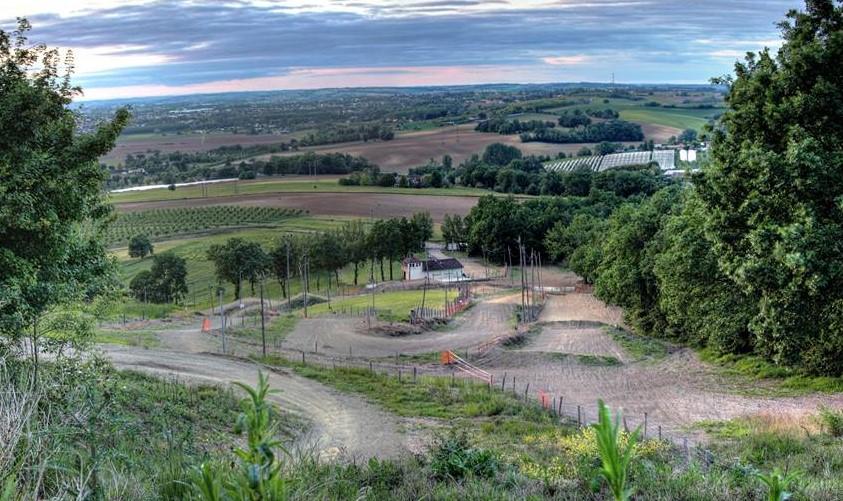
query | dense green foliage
[51, 203]
[140, 246]
[164, 282]
[515, 126]
[612, 130]
[239, 260]
[748, 260]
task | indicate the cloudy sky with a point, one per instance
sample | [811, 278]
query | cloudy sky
[127, 48]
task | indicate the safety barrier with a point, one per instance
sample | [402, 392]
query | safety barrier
[452, 359]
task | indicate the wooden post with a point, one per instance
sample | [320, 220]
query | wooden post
[503, 383]
[302, 357]
[645, 426]
[399, 375]
[625, 427]
[370, 367]
[553, 409]
[315, 346]
[414, 375]
[513, 384]
[526, 389]
[660, 433]
[579, 416]
[560, 405]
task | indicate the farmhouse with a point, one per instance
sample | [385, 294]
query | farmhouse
[444, 270]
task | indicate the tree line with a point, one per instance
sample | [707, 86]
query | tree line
[611, 130]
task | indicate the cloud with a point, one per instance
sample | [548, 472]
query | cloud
[565, 60]
[175, 44]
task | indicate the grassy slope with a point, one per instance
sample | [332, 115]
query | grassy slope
[397, 303]
[282, 185]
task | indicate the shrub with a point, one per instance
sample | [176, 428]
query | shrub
[454, 458]
[832, 421]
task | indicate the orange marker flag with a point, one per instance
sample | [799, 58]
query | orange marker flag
[206, 325]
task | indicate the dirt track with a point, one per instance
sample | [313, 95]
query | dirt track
[341, 424]
[478, 325]
[675, 391]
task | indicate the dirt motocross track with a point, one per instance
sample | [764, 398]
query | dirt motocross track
[568, 355]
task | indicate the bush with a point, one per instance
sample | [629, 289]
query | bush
[454, 458]
[832, 421]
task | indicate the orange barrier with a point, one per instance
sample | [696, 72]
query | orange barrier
[451, 358]
[206, 325]
[544, 399]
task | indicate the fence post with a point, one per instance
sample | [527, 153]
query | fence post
[625, 427]
[560, 405]
[399, 374]
[370, 366]
[685, 446]
[579, 416]
[553, 409]
[645, 426]
[660, 433]
[513, 384]
[302, 357]
[414, 375]
[526, 389]
[315, 346]
[503, 383]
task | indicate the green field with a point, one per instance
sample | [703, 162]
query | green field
[159, 224]
[636, 111]
[281, 185]
[396, 304]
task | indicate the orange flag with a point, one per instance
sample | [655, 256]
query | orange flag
[206, 325]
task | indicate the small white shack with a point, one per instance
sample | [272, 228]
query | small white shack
[442, 270]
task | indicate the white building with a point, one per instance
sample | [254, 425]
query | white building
[442, 270]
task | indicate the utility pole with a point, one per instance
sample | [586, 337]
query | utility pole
[222, 321]
[287, 278]
[263, 326]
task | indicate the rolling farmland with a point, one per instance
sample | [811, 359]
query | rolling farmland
[165, 223]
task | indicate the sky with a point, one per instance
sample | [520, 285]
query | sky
[135, 48]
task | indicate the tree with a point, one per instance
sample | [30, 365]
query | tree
[454, 229]
[771, 194]
[353, 235]
[500, 154]
[422, 230]
[166, 281]
[283, 262]
[52, 209]
[688, 136]
[140, 246]
[237, 260]
[625, 276]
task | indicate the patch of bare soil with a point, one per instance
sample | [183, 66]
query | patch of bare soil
[575, 338]
[659, 133]
[342, 425]
[567, 307]
[416, 148]
[336, 204]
